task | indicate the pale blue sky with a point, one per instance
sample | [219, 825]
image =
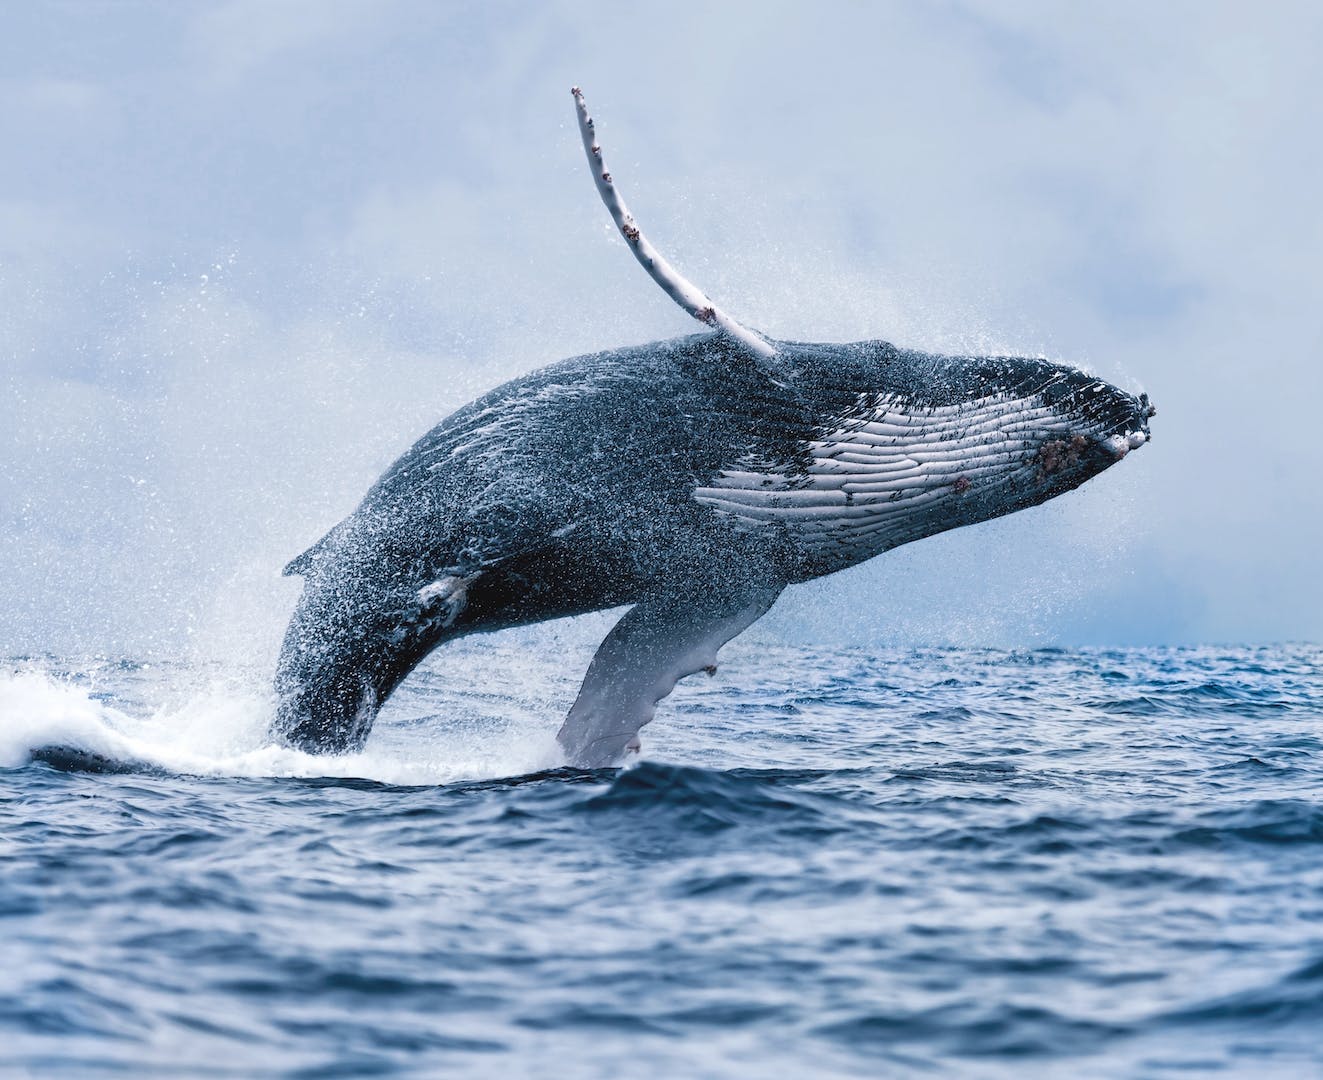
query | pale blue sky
[250, 250]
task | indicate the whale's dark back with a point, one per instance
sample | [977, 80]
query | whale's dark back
[599, 450]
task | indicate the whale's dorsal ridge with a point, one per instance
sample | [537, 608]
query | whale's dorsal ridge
[300, 564]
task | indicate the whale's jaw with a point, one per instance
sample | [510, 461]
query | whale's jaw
[945, 443]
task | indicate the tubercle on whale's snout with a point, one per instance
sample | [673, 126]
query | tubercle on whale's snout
[1120, 445]
[1133, 433]
[1107, 424]
[1118, 421]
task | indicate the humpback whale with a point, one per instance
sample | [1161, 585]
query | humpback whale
[691, 479]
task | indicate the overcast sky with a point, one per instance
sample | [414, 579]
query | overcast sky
[249, 251]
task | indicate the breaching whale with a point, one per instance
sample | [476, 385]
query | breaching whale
[692, 479]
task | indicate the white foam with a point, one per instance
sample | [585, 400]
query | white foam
[219, 729]
[37, 710]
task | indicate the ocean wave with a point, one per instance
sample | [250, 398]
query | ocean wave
[706, 801]
[1294, 997]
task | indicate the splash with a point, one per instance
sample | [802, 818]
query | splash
[207, 724]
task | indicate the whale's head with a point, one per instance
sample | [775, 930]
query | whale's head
[976, 438]
[907, 444]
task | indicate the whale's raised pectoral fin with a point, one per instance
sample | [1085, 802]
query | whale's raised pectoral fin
[658, 642]
[678, 287]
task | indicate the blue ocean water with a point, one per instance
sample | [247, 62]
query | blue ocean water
[826, 863]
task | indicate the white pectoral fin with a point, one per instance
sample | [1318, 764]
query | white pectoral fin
[679, 288]
[656, 644]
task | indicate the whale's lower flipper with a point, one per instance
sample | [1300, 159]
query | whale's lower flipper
[658, 642]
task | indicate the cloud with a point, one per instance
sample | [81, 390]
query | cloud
[238, 36]
[249, 252]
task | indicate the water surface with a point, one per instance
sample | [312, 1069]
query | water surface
[827, 862]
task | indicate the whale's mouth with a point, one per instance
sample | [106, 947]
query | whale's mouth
[1132, 431]
[1064, 454]
[1105, 424]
